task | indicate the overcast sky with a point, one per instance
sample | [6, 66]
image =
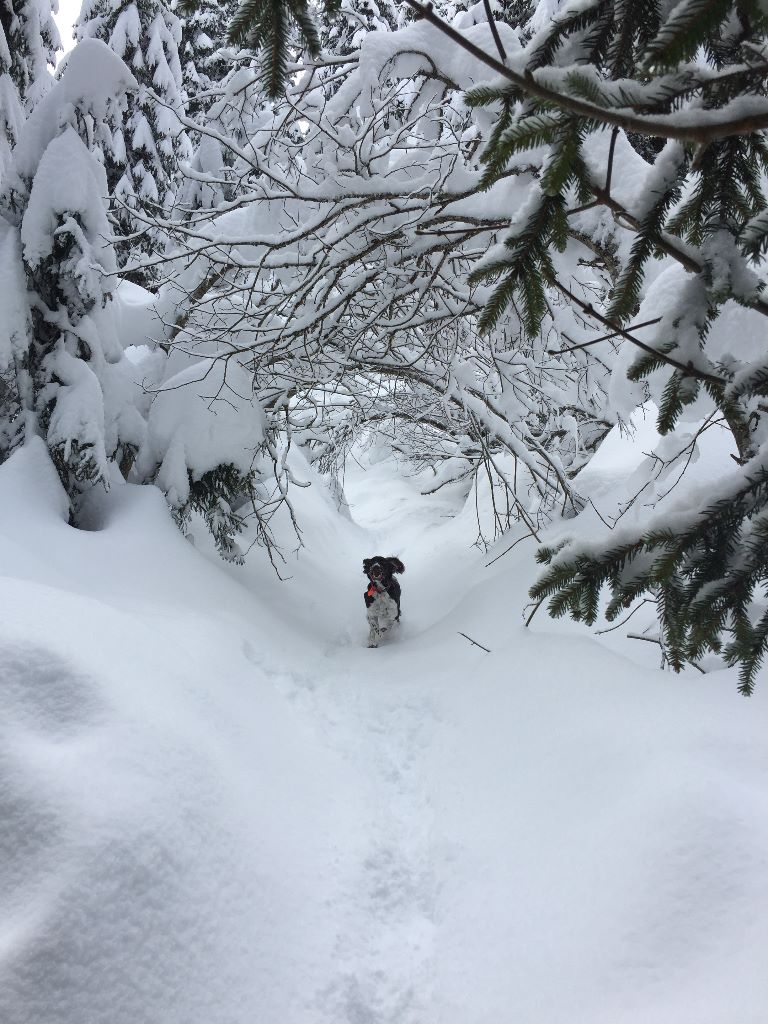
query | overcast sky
[68, 11]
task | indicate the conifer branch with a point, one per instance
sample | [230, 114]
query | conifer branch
[685, 369]
[527, 84]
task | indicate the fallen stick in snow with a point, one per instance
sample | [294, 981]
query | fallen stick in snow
[535, 609]
[487, 649]
[655, 640]
[648, 639]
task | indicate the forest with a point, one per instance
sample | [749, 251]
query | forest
[481, 286]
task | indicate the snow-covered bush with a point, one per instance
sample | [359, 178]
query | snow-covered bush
[209, 449]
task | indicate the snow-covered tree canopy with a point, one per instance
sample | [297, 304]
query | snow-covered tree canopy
[488, 234]
[273, 27]
[692, 82]
[340, 266]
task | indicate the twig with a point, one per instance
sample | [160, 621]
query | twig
[524, 537]
[494, 29]
[535, 609]
[655, 640]
[648, 639]
[603, 337]
[686, 369]
[486, 649]
[601, 632]
[611, 152]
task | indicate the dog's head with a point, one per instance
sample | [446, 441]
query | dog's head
[380, 569]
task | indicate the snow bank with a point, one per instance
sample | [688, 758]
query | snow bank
[220, 808]
[170, 845]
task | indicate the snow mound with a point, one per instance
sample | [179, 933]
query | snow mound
[220, 808]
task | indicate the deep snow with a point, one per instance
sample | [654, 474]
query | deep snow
[219, 807]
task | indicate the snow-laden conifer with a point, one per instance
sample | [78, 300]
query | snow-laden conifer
[29, 40]
[71, 376]
[205, 60]
[344, 30]
[278, 30]
[690, 78]
[148, 139]
[209, 66]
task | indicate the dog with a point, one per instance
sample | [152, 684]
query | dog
[382, 598]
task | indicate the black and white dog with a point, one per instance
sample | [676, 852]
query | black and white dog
[382, 598]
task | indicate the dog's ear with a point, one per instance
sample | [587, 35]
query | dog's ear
[366, 565]
[397, 565]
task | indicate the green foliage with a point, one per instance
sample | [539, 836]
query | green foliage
[526, 268]
[727, 189]
[268, 26]
[690, 24]
[710, 578]
[541, 130]
[527, 247]
[626, 294]
[706, 206]
[216, 497]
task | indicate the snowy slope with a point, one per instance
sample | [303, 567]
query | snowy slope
[221, 808]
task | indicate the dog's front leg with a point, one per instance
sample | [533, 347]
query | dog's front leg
[373, 632]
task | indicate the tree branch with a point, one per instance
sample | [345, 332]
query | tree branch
[666, 129]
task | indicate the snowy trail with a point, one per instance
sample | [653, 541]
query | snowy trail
[377, 710]
[514, 831]
[224, 809]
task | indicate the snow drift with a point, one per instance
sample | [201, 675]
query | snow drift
[220, 808]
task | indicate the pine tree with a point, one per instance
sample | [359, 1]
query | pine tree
[29, 40]
[205, 64]
[28, 43]
[345, 29]
[679, 75]
[11, 110]
[207, 70]
[275, 28]
[71, 376]
[148, 139]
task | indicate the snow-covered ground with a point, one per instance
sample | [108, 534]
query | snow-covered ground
[219, 807]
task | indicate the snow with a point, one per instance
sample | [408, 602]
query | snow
[220, 807]
[202, 417]
[14, 314]
[71, 203]
[92, 80]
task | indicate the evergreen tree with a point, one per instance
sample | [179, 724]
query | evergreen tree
[28, 43]
[691, 76]
[205, 64]
[71, 376]
[275, 28]
[29, 40]
[148, 140]
[11, 110]
[207, 69]
[345, 29]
